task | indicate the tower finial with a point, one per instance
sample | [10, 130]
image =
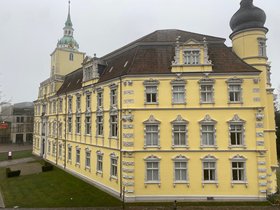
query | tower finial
[69, 3]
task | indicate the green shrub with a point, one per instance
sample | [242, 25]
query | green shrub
[10, 173]
[274, 199]
[47, 167]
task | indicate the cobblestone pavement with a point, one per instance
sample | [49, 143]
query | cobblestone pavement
[14, 147]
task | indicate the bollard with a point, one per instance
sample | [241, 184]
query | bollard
[10, 156]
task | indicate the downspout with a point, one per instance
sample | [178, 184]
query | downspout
[65, 132]
[121, 143]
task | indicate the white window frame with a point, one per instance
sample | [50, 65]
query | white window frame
[237, 93]
[88, 125]
[151, 122]
[179, 83]
[152, 159]
[179, 121]
[78, 103]
[208, 160]
[69, 153]
[99, 125]
[78, 124]
[78, 156]
[151, 84]
[237, 121]
[239, 159]
[88, 102]
[70, 104]
[180, 159]
[99, 96]
[113, 166]
[208, 121]
[69, 123]
[60, 150]
[191, 56]
[87, 158]
[262, 47]
[99, 162]
[114, 126]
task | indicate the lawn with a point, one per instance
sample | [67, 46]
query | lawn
[16, 154]
[52, 189]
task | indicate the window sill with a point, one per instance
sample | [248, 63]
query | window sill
[237, 147]
[99, 173]
[113, 178]
[99, 136]
[151, 147]
[87, 168]
[207, 103]
[152, 103]
[180, 147]
[78, 165]
[208, 147]
[235, 102]
[239, 183]
[179, 103]
[187, 183]
[113, 138]
[210, 182]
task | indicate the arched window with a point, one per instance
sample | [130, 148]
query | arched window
[71, 57]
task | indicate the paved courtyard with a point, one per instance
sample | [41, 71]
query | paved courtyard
[14, 147]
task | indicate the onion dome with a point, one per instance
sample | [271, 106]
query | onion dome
[248, 16]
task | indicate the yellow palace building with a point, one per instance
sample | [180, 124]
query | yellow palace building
[173, 115]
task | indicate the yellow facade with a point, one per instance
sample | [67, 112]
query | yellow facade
[192, 133]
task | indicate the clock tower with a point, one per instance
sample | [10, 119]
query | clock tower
[66, 57]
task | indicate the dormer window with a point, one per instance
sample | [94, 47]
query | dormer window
[192, 57]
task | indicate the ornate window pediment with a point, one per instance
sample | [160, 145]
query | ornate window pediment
[180, 157]
[236, 119]
[238, 158]
[209, 158]
[207, 119]
[180, 120]
[152, 158]
[152, 120]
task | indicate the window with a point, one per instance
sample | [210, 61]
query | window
[151, 94]
[60, 105]
[78, 155]
[69, 153]
[99, 99]
[151, 91]
[87, 163]
[234, 93]
[78, 102]
[60, 150]
[100, 125]
[179, 134]
[192, 57]
[88, 102]
[78, 124]
[152, 135]
[88, 125]
[151, 132]
[113, 97]
[114, 167]
[234, 90]
[236, 131]
[54, 129]
[54, 106]
[180, 170]
[208, 132]
[178, 94]
[69, 124]
[60, 130]
[53, 149]
[238, 168]
[238, 171]
[114, 126]
[70, 104]
[99, 164]
[49, 147]
[262, 47]
[71, 56]
[152, 169]
[206, 93]
[209, 171]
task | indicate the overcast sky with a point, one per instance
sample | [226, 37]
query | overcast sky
[30, 30]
